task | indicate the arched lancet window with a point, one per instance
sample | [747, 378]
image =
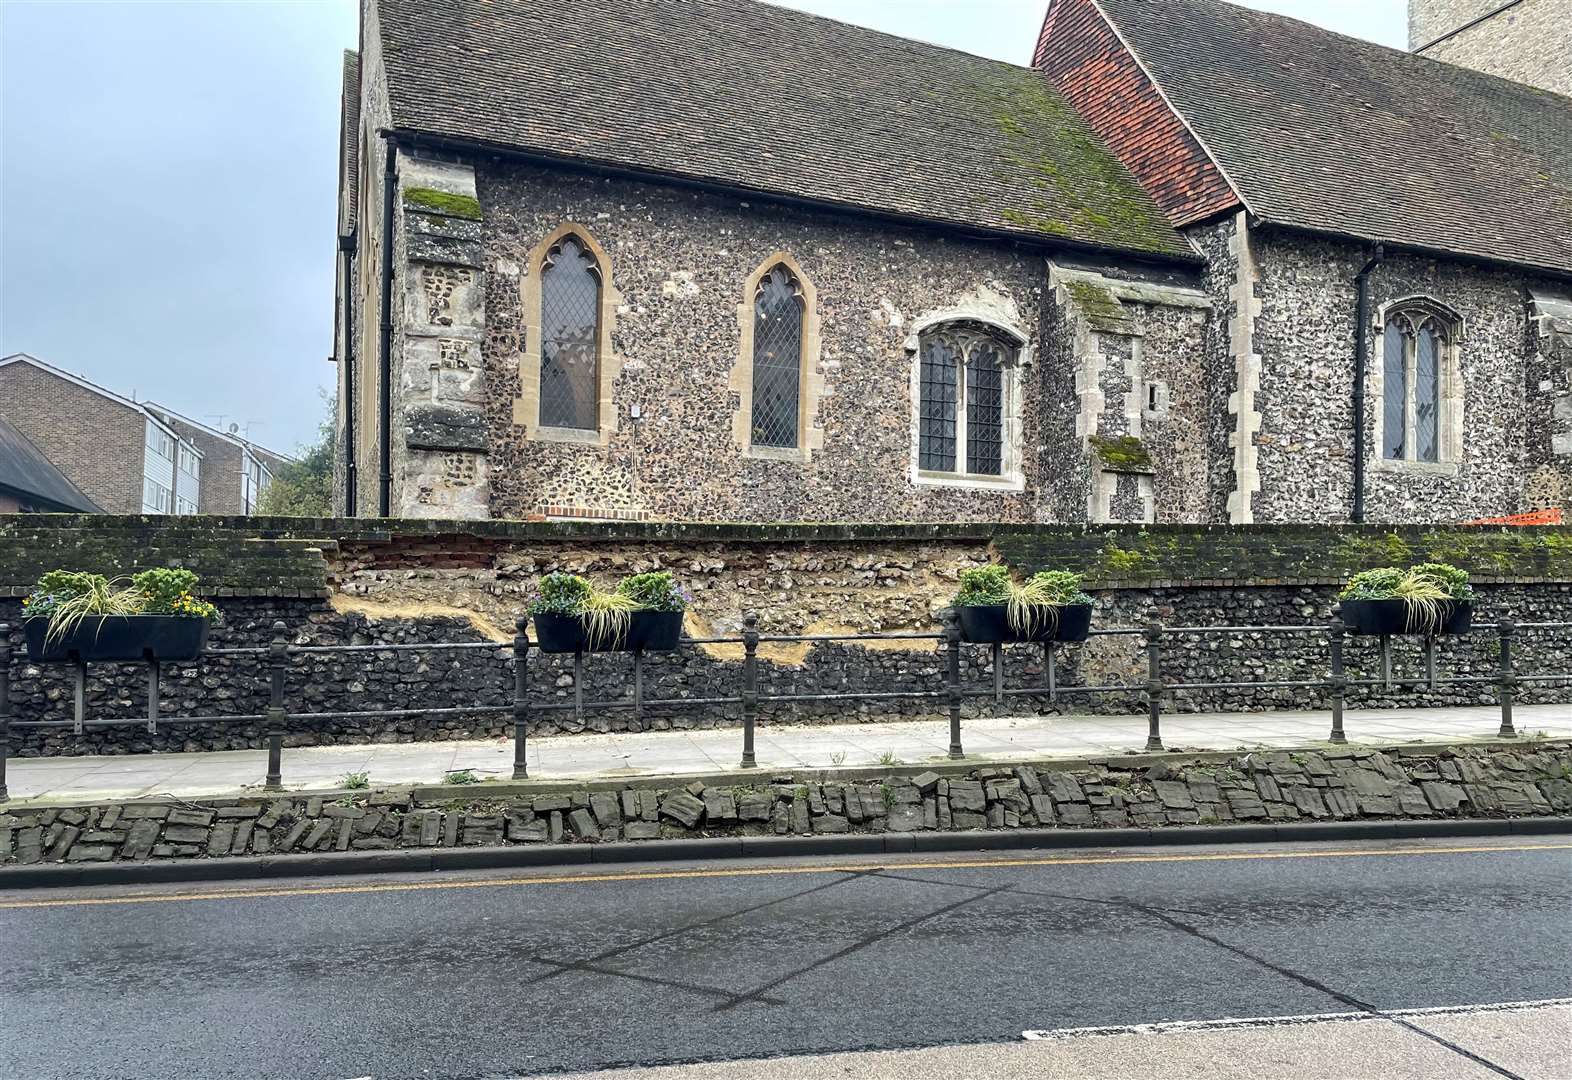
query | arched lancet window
[777, 360]
[961, 406]
[1415, 346]
[570, 285]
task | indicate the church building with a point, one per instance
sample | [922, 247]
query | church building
[721, 260]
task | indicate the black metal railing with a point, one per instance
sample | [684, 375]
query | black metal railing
[276, 658]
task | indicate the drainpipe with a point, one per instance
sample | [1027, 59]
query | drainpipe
[346, 247]
[1361, 336]
[385, 342]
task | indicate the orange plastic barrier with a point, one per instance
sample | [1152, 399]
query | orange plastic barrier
[1533, 517]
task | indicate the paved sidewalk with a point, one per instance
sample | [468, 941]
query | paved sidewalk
[778, 747]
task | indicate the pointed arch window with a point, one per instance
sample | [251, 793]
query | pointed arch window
[1418, 357]
[570, 360]
[778, 311]
[962, 409]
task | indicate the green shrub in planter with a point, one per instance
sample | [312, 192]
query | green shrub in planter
[1048, 606]
[1429, 599]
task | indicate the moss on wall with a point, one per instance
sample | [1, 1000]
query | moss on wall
[443, 202]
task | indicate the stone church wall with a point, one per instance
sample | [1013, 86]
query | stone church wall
[1305, 335]
[679, 261]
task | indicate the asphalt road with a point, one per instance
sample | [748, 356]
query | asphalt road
[510, 974]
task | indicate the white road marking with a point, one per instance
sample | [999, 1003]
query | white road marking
[1226, 1023]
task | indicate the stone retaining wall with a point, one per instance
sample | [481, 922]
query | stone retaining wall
[336, 582]
[1532, 780]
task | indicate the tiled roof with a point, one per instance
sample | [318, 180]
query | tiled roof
[25, 471]
[1325, 132]
[766, 99]
[349, 142]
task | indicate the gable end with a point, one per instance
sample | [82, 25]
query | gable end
[1088, 63]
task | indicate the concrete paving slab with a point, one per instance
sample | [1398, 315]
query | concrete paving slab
[778, 746]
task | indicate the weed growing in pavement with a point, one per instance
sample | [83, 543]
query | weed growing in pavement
[461, 776]
[889, 795]
[889, 758]
[838, 758]
[347, 800]
[356, 781]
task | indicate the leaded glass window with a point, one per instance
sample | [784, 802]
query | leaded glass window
[777, 360]
[961, 419]
[1394, 393]
[1427, 395]
[570, 337]
[1414, 352]
[984, 410]
[936, 417]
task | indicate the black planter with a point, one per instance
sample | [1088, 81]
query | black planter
[1391, 617]
[990, 624]
[119, 637]
[648, 630]
[655, 631]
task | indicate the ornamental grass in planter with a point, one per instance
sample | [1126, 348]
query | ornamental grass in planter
[644, 611]
[84, 617]
[1431, 599]
[1048, 606]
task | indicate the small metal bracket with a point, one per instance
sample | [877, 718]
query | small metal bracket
[153, 688]
[79, 696]
[1386, 661]
[1051, 667]
[578, 685]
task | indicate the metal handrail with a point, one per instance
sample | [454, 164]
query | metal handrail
[280, 654]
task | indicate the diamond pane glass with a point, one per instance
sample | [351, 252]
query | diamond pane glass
[570, 338]
[1427, 395]
[777, 360]
[1394, 391]
[984, 410]
[936, 409]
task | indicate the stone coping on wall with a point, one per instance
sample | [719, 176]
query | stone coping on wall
[291, 557]
[974, 803]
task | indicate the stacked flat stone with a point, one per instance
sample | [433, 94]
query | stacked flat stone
[1252, 788]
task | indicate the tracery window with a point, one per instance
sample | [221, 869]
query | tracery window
[777, 360]
[961, 400]
[1415, 347]
[570, 358]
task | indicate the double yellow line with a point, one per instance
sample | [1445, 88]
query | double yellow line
[764, 871]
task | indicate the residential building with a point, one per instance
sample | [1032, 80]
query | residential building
[1197, 263]
[31, 483]
[235, 470]
[125, 456]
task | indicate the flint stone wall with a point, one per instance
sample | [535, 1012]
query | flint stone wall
[1335, 785]
[368, 583]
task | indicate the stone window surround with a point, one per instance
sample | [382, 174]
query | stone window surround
[526, 407]
[810, 436]
[1449, 421]
[1012, 476]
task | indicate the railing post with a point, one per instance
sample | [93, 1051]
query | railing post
[1337, 684]
[1154, 686]
[278, 667]
[1506, 680]
[750, 685]
[952, 678]
[520, 696]
[5, 705]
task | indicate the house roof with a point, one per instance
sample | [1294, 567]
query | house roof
[770, 100]
[170, 416]
[1325, 132]
[109, 395]
[25, 471]
[349, 143]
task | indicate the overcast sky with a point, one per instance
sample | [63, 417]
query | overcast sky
[168, 176]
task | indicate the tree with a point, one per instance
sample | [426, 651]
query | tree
[304, 487]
